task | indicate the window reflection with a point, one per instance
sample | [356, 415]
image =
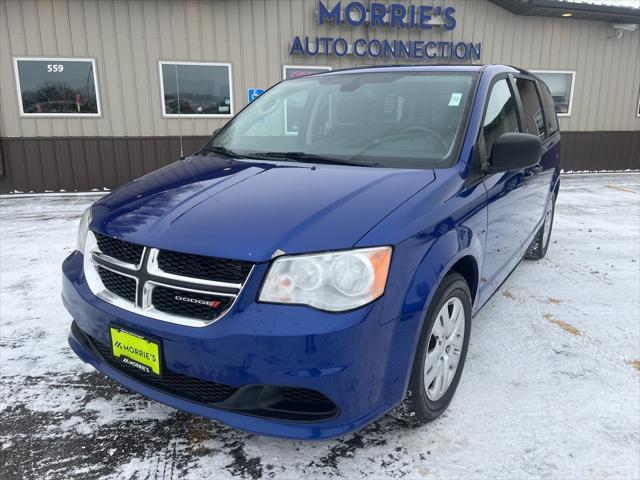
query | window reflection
[57, 86]
[196, 89]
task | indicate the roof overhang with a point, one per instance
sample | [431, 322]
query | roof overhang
[582, 11]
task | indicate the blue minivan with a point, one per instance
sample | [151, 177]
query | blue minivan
[319, 261]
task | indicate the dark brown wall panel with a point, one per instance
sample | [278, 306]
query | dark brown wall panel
[2, 172]
[600, 151]
[148, 154]
[83, 160]
[50, 165]
[33, 164]
[66, 174]
[134, 150]
[108, 162]
[87, 163]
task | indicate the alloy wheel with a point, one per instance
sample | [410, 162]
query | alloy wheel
[444, 348]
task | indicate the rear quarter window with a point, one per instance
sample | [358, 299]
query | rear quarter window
[549, 108]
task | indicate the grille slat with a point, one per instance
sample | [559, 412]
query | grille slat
[189, 304]
[205, 268]
[304, 395]
[119, 249]
[124, 287]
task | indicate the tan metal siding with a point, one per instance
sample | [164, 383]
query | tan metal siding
[128, 39]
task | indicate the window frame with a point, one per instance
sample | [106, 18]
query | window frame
[319, 68]
[508, 77]
[59, 115]
[480, 161]
[571, 93]
[191, 115]
[541, 93]
[514, 86]
[638, 107]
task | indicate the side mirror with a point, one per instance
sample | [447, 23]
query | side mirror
[514, 151]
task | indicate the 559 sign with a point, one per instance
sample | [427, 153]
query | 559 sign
[59, 68]
[413, 18]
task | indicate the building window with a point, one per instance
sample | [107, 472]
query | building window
[560, 85]
[61, 87]
[196, 89]
[297, 71]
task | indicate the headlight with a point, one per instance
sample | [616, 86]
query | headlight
[328, 281]
[83, 229]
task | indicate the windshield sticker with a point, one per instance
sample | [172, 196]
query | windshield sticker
[454, 101]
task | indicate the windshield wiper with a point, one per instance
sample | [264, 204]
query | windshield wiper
[309, 157]
[221, 150]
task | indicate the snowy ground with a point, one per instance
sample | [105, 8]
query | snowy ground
[551, 386]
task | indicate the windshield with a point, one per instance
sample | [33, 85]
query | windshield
[389, 119]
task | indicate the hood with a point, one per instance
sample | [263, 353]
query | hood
[246, 210]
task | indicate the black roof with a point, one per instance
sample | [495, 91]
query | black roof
[582, 11]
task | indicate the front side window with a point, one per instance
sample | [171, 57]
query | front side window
[57, 87]
[532, 117]
[196, 89]
[388, 119]
[501, 115]
[561, 87]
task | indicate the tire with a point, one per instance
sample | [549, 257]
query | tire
[426, 403]
[540, 244]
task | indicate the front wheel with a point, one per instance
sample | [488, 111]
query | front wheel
[441, 351]
[540, 244]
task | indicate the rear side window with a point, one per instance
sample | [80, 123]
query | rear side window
[549, 109]
[532, 118]
[501, 116]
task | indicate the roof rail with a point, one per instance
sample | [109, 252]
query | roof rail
[399, 65]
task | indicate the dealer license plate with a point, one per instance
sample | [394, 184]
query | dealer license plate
[136, 351]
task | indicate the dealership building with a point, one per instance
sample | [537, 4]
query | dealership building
[94, 93]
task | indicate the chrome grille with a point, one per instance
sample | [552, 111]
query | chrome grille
[124, 287]
[193, 292]
[119, 249]
[206, 268]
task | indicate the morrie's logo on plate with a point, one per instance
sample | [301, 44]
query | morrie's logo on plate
[136, 351]
[208, 303]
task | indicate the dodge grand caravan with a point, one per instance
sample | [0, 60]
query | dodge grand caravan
[319, 261]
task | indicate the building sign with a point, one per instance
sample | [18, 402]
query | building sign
[253, 93]
[395, 16]
[295, 71]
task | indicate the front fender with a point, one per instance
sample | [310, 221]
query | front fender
[433, 230]
[437, 258]
[445, 252]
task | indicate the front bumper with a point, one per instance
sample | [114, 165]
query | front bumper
[358, 359]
